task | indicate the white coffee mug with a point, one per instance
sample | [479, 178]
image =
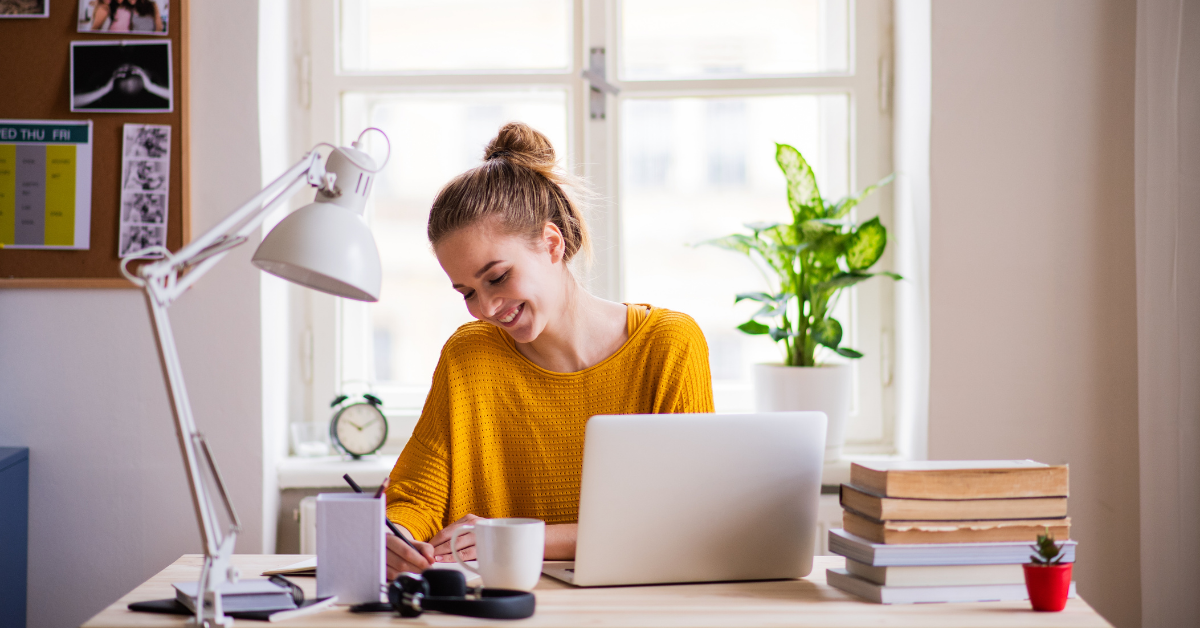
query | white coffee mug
[509, 551]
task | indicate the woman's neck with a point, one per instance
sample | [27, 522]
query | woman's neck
[585, 331]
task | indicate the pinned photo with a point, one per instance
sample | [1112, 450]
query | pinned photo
[145, 182]
[124, 17]
[135, 238]
[24, 8]
[144, 208]
[146, 176]
[152, 141]
[121, 77]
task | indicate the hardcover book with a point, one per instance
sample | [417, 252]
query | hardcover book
[892, 508]
[882, 555]
[960, 479]
[937, 575]
[841, 579]
[982, 531]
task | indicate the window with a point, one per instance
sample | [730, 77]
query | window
[683, 154]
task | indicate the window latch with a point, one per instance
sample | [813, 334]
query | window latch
[600, 86]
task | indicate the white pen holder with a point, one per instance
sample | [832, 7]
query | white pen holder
[351, 550]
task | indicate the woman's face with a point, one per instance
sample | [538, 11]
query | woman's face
[507, 280]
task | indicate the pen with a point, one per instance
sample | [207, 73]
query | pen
[391, 526]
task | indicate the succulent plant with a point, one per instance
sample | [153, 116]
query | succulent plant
[1048, 552]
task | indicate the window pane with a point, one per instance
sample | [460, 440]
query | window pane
[454, 35]
[434, 137]
[674, 39]
[693, 169]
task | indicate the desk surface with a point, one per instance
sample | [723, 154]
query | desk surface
[806, 602]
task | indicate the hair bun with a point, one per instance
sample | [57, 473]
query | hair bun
[522, 145]
[520, 185]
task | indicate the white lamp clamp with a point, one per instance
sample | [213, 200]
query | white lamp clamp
[326, 245]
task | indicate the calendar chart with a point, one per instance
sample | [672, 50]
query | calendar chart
[45, 184]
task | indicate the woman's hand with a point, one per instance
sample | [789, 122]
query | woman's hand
[401, 557]
[466, 543]
[560, 541]
[137, 71]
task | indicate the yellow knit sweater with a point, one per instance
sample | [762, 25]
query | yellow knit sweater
[502, 437]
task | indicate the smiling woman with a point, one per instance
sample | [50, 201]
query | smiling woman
[501, 433]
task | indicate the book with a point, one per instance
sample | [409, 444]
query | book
[310, 607]
[307, 567]
[985, 531]
[241, 596]
[175, 607]
[881, 555]
[960, 479]
[893, 508]
[937, 575]
[880, 594]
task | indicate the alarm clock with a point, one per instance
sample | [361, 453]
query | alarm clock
[358, 429]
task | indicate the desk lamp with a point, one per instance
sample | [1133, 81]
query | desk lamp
[325, 245]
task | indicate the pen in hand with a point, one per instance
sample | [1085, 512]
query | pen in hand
[391, 526]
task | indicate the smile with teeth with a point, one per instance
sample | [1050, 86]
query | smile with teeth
[512, 314]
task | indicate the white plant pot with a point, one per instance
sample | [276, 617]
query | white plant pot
[779, 388]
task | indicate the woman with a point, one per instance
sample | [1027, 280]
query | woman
[501, 433]
[145, 17]
[122, 15]
[100, 10]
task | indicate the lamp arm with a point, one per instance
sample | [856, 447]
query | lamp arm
[162, 283]
[202, 253]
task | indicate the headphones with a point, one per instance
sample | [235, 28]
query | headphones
[411, 594]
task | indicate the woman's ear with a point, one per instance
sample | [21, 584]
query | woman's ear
[554, 242]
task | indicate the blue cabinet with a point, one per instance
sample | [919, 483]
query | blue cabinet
[14, 534]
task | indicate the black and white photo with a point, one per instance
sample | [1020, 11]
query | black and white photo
[135, 238]
[124, 17]
[145, 183]
[146, 176]
[124, 76]
[144, 208]
[24, 8]
[147, 141]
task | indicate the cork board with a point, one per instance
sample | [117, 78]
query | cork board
[36, 79]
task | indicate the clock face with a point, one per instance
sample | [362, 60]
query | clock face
[360, 428]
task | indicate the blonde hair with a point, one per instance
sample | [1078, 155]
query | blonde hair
[517, 185]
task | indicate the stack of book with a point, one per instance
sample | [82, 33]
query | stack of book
[946, 531]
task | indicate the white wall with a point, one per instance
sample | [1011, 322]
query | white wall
[1033, 308]
[81, 387]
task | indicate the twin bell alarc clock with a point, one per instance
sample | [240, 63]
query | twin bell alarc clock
[358, 429]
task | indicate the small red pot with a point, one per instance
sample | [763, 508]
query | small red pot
[1048, 586]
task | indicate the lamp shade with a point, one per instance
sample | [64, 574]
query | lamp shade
[324, 247]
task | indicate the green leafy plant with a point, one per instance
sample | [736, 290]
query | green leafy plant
[808, 263]
[1048, 552]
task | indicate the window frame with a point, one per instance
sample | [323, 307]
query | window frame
[339, 337]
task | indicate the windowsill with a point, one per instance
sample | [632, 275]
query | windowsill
[327, 471]
[837, 472]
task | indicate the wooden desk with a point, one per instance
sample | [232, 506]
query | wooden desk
[806, 602]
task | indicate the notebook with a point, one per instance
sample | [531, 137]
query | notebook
[308, 567]
[246, 595]
[881, 594]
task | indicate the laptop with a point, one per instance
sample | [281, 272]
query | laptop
[697, 498]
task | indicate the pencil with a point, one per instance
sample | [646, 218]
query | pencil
[391, 526]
